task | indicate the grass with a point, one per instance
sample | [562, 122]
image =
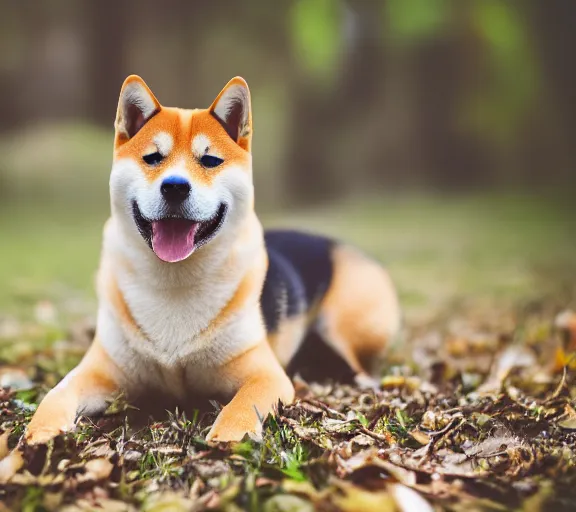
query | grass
[474, 412]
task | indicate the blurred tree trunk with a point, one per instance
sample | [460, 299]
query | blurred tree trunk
[450, 157]
[320, 112]
[15, 110]
[108, 29]
[447, 69]
[308, 177]
[9, 117]
[554, 27]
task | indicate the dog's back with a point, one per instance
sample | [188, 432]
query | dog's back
[317, 286]
[299, 274]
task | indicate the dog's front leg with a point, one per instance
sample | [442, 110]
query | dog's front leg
[260, 382]
[83, 391]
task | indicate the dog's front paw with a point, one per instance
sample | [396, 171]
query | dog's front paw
[231, 435]
[48, 423]
[43, 434]
[228, 429]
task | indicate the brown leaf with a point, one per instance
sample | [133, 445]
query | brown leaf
[98, 469]
[494, 445]
[569, 422]
[514, 356]
[356, 499]
[420, 437]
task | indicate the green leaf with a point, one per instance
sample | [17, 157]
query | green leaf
[498, 109]
[412, 21]
[316, 35]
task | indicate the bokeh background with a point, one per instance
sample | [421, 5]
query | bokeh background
[436, 134]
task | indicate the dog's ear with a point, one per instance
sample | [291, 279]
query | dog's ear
[232, 109]
[136, 106]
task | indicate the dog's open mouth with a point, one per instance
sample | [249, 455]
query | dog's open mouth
[175, 238]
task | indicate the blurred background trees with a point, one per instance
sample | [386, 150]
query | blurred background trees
[435, 134]
[349, 96]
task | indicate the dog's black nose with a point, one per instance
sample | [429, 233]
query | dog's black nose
[175, 189]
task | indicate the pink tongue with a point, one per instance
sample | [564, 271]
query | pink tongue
[173, 239]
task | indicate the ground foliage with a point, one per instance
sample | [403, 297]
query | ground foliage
[476, 411]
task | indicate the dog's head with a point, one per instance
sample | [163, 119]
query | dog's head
[180, 177]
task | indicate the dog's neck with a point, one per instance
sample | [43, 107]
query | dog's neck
[191, 293]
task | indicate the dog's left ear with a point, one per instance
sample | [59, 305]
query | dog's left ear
[232, 109]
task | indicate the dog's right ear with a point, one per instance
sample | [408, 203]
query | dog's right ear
[136, 106]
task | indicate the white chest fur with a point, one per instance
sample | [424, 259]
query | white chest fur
[174, 307]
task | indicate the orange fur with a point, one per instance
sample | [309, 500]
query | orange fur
[261, 383]
[120, 305]
[288, 337]
[169, 120]
[182, 126]
[96, 375]
[360, 311]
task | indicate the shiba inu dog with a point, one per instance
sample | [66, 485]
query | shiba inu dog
[194, 298]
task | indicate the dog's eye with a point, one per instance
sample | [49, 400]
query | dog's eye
[153, 158]
[210, 161]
